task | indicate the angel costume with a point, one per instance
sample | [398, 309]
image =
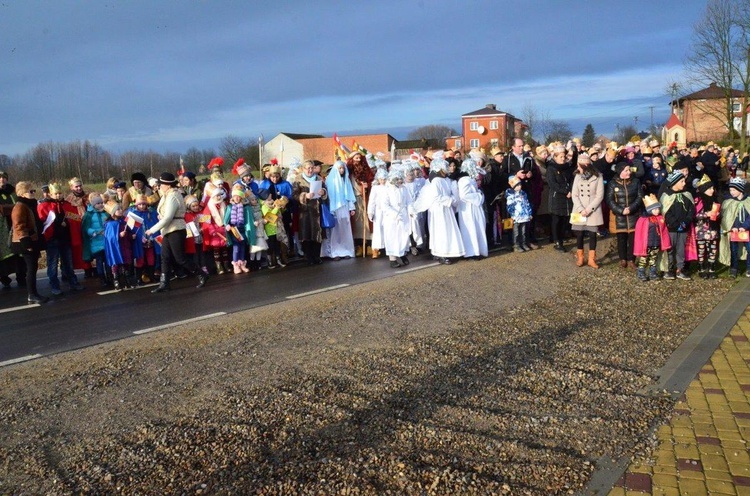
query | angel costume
[471, 219]
[339, 240]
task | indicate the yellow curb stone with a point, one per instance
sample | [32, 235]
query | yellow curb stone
[665, 491]
[714, 462]
[693, 487]
[683, 432]
[740, 469]
[725, 424]
[710, 449]
[704, 430]
[720, 487]
[691, 475]
[664, 429]
[616, 491]
[738, 456]
[664, 480]
[639, 468]
[666, 469]
[718, 475]
[718, 406]
[740, 406]
[686, 451]
[681, 421]
[636, 493]
[742, 490]
[733, 444]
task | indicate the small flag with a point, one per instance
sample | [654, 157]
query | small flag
[133, 221]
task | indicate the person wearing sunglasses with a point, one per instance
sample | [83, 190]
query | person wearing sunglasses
[26, 240]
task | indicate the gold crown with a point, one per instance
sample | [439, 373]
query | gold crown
[649, 200]
[705, 179]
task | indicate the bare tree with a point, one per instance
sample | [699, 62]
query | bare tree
[530, 116]
[432, 131]
[720, 53]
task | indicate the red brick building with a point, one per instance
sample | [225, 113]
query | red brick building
[703, 113]
[323, 148]
[487, 128]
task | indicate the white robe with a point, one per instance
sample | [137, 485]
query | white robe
[471, 218]
[418, 221]
[375, 214]
[396, 221]
[445, 236]
[339, 240]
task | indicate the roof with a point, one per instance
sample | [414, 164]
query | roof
[419, 144]
[295, 136]
[484, 111]
[712, 92]
[673, 121]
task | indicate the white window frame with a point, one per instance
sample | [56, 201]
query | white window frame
[494, 142]
[736, 106]
[473, 126]
[474, 143]
[494, 125]
[458, 144]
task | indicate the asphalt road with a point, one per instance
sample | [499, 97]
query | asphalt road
[94, 316]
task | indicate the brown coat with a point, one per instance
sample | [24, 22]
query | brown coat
[589, 194]
[309, 211]
[25, 227]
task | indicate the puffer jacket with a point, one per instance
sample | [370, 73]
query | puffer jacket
[621, 194]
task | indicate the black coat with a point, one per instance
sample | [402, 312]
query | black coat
[622, 194]
[560, 183]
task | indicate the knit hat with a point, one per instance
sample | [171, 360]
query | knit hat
[238, 190]
[674, 177]
[737, 183]
[244, 170]
[651, 203]
[620, 166]
[189, 175]
[189, 200]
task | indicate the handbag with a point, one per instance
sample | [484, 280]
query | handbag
[327, 219]
[577, 219]
[739, 236]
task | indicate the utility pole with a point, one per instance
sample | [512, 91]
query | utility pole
[635, 123]
[652, 116]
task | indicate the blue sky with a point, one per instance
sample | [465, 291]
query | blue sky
[164, 75]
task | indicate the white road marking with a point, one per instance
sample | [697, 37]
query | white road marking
[23, 307]
[113, 291]
[404, 271]
[19, 360]
[173, 324]
[322, 290]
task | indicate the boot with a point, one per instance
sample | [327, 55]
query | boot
[219, 268]
[243, 266]
[116, 277]
[592, 259]
[631, 264]
[163, 284]
[653, 275]
[138, 277]
[236, 268]
[283, 259]
[641, 274]
[271, 260]
[375, 253]
[711, 274]
[579, 257]
[126, 274]
[103, 280]
[202, 278]
[559, 246]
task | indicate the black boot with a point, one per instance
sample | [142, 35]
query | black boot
[116, 277]
[36, 298]
[202, 278]
[103, 280]
[138, 277]
[163, 284]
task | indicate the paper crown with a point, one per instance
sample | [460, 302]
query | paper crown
[650, 202]
[55, 188]
[704, 182]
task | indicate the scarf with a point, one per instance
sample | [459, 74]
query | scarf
[340, 190]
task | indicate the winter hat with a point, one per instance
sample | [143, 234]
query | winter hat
[189, 200]
[674, 177]
[189, 175]
[121, 185]
[167, 178]
[703, 184]
[138, 176]
[651, 203]
[244, 170]
[620, 166]
[513, 181]
[238, 190]
[737, 183]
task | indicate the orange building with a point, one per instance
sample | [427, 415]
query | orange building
[703, 113]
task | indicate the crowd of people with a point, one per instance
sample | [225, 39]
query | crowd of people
[667, 206]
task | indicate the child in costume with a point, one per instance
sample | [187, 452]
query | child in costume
[92, 225]
[413, 182]
[396, 209]
[118, 246]
[235, 219]
[194, 240]
[214, 230]
[519, 209]
[651, 239]
[271, 212]
[145, 250]
[735, 227]
[679, 211]
[375, 210]
[258, 246]
[471, 212]
[707, 227]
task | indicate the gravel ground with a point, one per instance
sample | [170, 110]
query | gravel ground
[512, 375]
